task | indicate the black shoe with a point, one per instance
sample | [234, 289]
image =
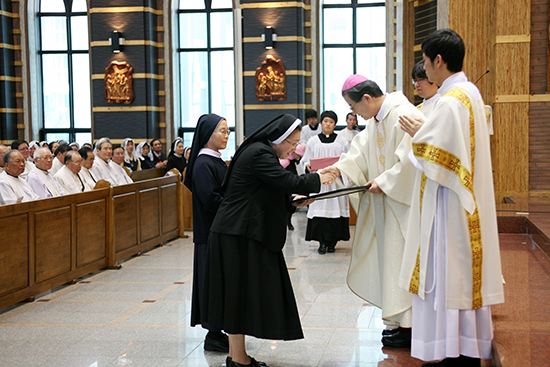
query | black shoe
[216, 345]
[461, 361]
[322, 249]
[389, 332]
[331, 249]
[401, 339]
[253, 363]
[290, 227]
[435, 364]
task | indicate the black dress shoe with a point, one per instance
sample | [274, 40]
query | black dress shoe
[389, 332]
[216, 345]
[228, 362]
[401, 339]
[461, 361]
[331, 249]
[290, 227]
[253, 363]
[322, 249]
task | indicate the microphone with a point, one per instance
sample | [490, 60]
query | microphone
[482, 75]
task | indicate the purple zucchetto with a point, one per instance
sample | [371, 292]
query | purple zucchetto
[352, 81]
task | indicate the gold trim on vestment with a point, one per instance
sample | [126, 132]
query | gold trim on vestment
[415, 278]
[453, 164]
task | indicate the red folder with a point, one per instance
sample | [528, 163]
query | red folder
[318, 163]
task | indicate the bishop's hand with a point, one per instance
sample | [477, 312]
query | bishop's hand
[328, 174]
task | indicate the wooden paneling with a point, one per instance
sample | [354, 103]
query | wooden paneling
[53, 243]
[14, 254]
[539, 143]
[126, 226]
[91, 233]
[512, 56]
[169, 208]
[539, 46]
[149, 213]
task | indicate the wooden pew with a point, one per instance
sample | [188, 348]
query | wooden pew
[148, 174]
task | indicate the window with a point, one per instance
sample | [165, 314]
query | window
[353, 42]
[206, 65]
[65, 66]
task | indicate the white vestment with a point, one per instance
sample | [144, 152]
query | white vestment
[87, 176]
[427, 106]
[43, 184]
[451, 261]
[103, 171]
[380, 152]
[120, 175]
[328, 208]
[15, 190]
[348, 134]
[56, 166]
[308, 132]
[70, 181]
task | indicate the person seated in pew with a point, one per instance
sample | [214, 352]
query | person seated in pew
[68, 176]
[74, 146]
[39, 179]
[175, 158]
[159, 157]
[144, 154]
[3, 150]
[121, 173]
[13, 188]
[101, 168]
[130, 157]
[23, 147]
[59, 160]
[87, 162]
[88, 145]
[33, 145]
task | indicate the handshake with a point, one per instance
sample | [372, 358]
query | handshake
[328, 174]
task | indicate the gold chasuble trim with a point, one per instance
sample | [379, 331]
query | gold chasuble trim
[453, 164]
[415, 279]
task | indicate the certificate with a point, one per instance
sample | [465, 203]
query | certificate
[334, 193]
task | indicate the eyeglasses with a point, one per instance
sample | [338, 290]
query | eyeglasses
[414, 81]
[294, 145]
[223, 132]
[351, 107]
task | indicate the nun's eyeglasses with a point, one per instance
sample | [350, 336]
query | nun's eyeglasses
[293, 144]
[224, 132]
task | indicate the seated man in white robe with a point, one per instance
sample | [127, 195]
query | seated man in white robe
[23, 147]
[122, 176]
[85, 174]
[13, 188]
[68, 177]
[59, 160]
[3, 150]
[101, 169]
[39, 179]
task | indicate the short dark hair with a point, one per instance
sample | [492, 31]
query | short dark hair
[87, 145]
[329, 114]
[8, 154]
[70, 154]
[351, 113]
[15, 145]
[153, 141]
[116, 146]
[311, 114]
[62, 148]
[367, 87]
[84, 152]
[418, 71]
[449, 45]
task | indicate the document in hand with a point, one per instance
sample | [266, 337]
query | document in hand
[334, 193]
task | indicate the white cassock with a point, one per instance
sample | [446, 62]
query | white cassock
[87, 176]
[380, 152]
[103, 171]
[427, 106]
[348, 134]
[70, 181]
[308, 132]
[15, 190]
[451, 261]
[56, 166]
[43, 184]
[29, 166]
[120, 175]
[328, 208]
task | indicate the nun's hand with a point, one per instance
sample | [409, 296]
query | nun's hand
[410, 125]
[303, 203]
[328, 174]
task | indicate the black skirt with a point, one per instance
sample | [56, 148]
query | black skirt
[247, 290]
[327, 230]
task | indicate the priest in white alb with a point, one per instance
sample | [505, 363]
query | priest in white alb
[101, 170]
[68, 176]
[451, 262]
[378, 156]
[39, 179]
[13, 188]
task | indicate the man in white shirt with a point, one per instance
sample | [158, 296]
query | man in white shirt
[88, 161]
[68, 177]
[39, 179]
[3, 150]
[424, 88]
[101, 169]
[13, 188]
[352, 129]
[120, 174]
[59, 160]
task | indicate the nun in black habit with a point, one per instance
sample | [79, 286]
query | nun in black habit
[204, 177]
[247, 286]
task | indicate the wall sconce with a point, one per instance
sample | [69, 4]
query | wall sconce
[268, 37]
[116, 41]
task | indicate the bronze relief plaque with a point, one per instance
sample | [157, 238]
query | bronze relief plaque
[271, 80]
[119, 85]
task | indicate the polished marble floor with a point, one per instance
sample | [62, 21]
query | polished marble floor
[139, 316]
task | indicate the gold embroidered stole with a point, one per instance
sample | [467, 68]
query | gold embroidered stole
[452, 163]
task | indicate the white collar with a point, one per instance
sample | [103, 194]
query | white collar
[459, 80]
[380, 115]
[210, 152]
